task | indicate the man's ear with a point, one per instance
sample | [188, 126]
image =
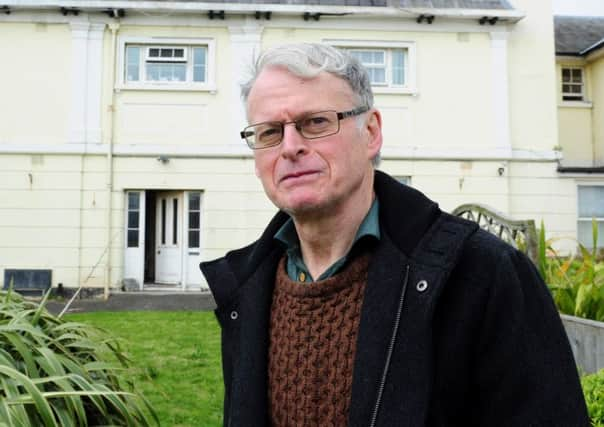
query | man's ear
[373, 128]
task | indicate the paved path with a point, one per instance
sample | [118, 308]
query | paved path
[139, 301]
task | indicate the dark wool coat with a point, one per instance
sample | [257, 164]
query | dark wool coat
[457, 328]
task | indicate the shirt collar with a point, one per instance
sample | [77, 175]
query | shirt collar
[369, 227]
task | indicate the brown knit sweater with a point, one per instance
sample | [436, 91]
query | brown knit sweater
[313, 331]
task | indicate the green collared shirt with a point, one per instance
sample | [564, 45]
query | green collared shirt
[296, 268]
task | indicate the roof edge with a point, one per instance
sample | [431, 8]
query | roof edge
[181, 6]
[597, 45]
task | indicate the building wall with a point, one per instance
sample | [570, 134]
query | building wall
[532, 78]
[575, 118]
[597, 76]
[35, 94]
[462, 136]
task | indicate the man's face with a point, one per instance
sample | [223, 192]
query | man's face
[318, 176]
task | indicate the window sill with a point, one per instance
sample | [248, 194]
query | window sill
[575, 104]
[167, 87]
[381, 90]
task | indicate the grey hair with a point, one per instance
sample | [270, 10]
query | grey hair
[307, 60]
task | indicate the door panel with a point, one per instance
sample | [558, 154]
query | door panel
[169, 214]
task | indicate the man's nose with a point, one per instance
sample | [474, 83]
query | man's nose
[293, 144]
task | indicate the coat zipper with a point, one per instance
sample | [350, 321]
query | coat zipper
[397, 322]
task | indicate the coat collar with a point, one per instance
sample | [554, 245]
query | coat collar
[405, 215]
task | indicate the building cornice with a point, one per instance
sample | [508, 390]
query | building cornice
[507, 16]
[239, 150]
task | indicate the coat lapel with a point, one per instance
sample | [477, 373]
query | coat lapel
[378, 315]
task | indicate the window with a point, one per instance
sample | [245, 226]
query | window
[194, 219]
[591, 205]
[403, 179]
[573, 84]
[386, 67]
[170, 64]
[391, 64]
[133, 219]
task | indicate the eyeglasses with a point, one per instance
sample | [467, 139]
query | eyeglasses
[310, 126]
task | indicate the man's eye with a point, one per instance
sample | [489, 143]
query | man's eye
[318, 120]
[315, 123]
[268, 133]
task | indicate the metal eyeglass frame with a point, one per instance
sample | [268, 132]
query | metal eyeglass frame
[341, 115]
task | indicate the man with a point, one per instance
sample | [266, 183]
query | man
[362, 303]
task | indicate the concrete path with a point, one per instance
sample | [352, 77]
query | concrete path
[139, 301]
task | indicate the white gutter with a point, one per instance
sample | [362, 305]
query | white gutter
[114, 27]
[250, 8]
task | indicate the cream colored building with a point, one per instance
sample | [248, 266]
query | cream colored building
[580, 75]
[119, 149]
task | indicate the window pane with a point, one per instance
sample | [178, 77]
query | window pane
[133, 238]
[577, 76]
[575, 89]
[194, 199]
[566, 88]
[133, 219]
[179, 72]
[404, 179]
[398, 67]
[566, 74]
[132, 63]
[154, 53]
[378, 75]
[585, 234]
[167, 53]
[163, 221]
[175, 221]
[193, 219]
[166, 72]
[133, 201]
[199, 64]
[591, 201]
[378, 57]
[132, 73]
[179, 53]
[194, 238]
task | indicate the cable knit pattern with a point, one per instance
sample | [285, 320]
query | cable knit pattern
[313, 332]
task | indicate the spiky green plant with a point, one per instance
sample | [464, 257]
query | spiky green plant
[58, 373]
[576, 282]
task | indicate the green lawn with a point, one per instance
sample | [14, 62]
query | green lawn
[176, 364]
[176, 361]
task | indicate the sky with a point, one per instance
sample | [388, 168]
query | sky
[579, 7]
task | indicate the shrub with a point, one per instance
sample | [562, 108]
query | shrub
[576, 282]
[593, 389]
[55, 373]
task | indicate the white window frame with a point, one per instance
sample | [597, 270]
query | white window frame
[149, 42]
[582, 84]
[410, 86]
[599, 220]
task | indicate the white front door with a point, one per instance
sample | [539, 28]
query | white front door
[169, 237]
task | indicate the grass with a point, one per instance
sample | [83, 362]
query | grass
[178, 368]
[176, 356]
